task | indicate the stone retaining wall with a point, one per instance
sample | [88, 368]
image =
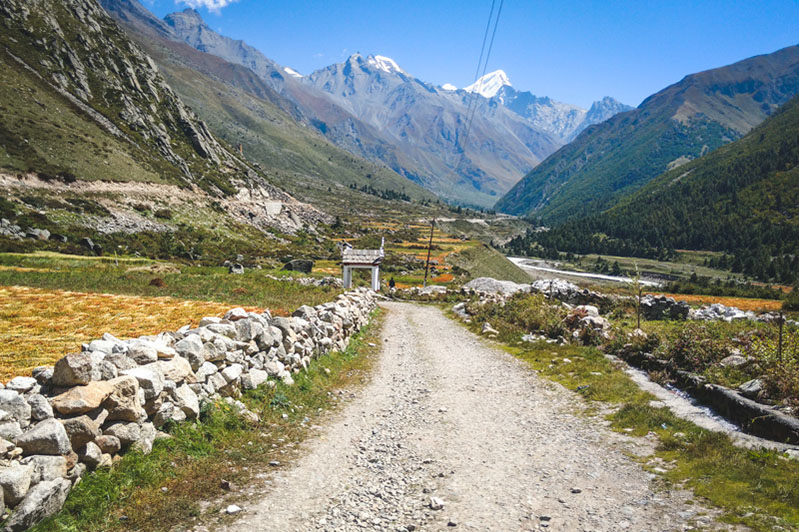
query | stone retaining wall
[115, 395]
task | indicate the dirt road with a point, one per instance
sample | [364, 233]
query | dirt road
[449, 417]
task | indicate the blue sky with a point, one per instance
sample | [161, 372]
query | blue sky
[574, 51]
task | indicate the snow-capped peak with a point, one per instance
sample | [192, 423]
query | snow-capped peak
[386, 64]
[489, 84]
[449, 87]
[291, 72]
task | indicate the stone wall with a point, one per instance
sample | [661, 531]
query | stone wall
[115, 395]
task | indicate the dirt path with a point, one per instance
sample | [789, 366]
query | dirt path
[448, 416]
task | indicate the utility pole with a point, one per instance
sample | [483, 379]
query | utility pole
[429, 248]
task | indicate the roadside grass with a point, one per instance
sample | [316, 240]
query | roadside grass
[39, 326]
[180, 482]
[124, 276]
[754, 488]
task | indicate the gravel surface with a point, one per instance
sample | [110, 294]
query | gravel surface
[453, 433]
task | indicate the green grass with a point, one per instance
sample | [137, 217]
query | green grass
[193, 462]
[754, 488]
[484, 261]
[93, 274]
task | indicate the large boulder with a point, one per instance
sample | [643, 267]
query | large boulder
[44, 500]
[177, 369]
[494, 286]
[21, 384]
[40, 407]
[126, 433]
[81, 399]
[191, 348]
[46, 437]
[299, 265]
[47, 467]
[142, 352]
[187, 401]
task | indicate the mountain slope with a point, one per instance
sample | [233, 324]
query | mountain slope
[680, 123]
[303, 102]
[428, 124]
[244, 110]
[742, 199]
[81, 102]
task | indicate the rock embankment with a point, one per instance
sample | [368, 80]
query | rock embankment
[115, 395]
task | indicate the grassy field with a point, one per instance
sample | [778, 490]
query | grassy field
[51, 303]
[180, 482]
[40, 326]
[454, 260]
[143, 277]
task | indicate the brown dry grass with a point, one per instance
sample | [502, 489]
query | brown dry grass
[743, 303]
[40, 326]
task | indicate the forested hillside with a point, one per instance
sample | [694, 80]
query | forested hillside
[682, 122]
[742, 199]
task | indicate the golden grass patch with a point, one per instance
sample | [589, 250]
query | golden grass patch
[743, 303]
[37, 327]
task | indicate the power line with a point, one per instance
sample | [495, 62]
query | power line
[479, 79]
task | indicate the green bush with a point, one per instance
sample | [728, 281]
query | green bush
[792, 301]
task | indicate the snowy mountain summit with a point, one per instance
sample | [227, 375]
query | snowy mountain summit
[386, 64]
[490, 84]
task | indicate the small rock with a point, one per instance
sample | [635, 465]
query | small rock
[436, 503]
[232, 509]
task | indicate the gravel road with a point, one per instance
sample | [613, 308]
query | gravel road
[449, 420]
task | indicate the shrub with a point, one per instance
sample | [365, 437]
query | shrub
[792, 301]
[164, 214]
[697, 347]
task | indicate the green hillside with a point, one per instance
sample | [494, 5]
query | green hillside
[742, 199]
[682, 122]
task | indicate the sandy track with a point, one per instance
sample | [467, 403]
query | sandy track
[448, 416]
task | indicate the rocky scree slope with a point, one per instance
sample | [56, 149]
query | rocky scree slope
[680, 123]
[246, 108]
[115, 395]
[81, 101]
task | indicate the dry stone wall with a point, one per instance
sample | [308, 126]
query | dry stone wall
[115, 395]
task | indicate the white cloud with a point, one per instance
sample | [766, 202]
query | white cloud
[211, 5]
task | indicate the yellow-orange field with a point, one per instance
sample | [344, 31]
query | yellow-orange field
[742, 303]
[40, 326]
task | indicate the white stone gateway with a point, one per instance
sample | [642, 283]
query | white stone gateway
[362, 259]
